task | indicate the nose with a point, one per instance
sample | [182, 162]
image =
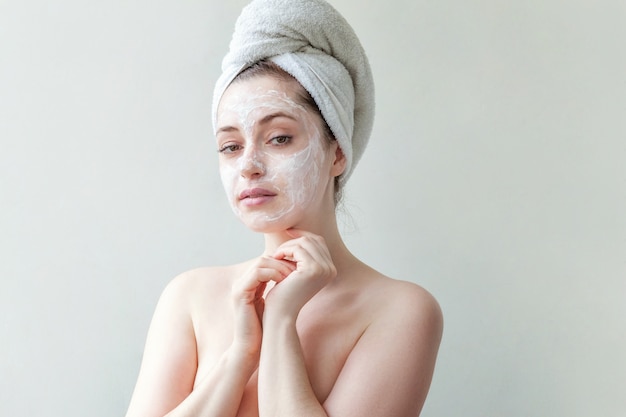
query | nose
[252, 165]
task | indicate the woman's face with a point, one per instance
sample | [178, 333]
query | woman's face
[275, 164]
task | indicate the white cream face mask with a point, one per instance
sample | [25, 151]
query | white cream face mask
[292, 171]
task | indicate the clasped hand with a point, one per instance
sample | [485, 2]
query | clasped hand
[299, 268]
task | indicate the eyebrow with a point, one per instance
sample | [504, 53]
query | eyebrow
[273, 116]
[226, 129]
[266, 119]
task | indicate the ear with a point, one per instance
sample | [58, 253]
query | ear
[339, 163]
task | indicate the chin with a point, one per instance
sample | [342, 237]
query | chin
[264, 225]
[271, 220]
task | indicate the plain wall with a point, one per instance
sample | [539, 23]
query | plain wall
[495, 178]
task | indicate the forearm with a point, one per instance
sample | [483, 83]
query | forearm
[219, 393]
[284, 385]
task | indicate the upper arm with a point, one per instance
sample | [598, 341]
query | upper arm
[388, 372]
[169, 362]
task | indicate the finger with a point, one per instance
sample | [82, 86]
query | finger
[312, 265]
[260, 276]
[265, 275]
[284, 267]
[296, 250]
[258, 293]
[311, 248]
[314, 243]
[293, 253]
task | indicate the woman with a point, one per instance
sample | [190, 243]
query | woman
[305, 329]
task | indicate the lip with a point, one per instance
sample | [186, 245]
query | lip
[256, 193]
[256, 196]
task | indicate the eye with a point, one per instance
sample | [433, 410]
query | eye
[280, 140]
[229, 148]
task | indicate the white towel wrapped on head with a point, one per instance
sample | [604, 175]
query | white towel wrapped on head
[311, 41]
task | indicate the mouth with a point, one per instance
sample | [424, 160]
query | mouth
[255, 196]
[256, 192]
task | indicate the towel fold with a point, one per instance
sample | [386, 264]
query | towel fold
[311, 41]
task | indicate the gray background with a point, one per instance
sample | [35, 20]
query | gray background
[495, 178]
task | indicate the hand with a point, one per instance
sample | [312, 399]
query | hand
[247, 296]
[314, 268]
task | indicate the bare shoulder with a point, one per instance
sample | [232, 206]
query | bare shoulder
[200, 289]
[191, 281]
[396, 353]
[412, 298]
[408, 304]
[202, 280]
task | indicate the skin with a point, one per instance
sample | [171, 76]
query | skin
[305, 328]
[284, 159]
